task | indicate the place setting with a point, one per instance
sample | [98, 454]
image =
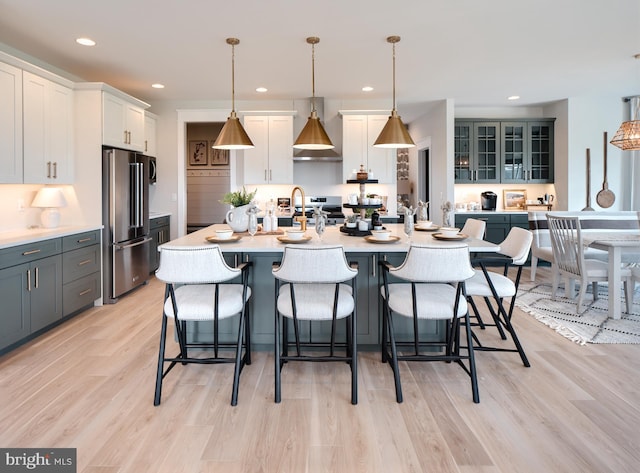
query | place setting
[450, 234]
[224, 235]
[381, 236]
[294, 236]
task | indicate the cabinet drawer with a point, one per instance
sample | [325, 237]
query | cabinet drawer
[80, 293]
[520, 221]
[79, 263]
[159, 222]
[80, 240]
[30, 252]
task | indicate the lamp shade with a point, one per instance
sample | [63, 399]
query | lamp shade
[50, 199]
[628, 136]
[232, 135]
[313, 135]
[394, 134]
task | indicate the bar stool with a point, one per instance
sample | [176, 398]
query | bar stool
[198, 289]
[310, 284]
[431, 287]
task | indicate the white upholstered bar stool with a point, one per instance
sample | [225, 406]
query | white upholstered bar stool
[315, 283]
[200, 287]
[428, 285]
[495, 287]
[474, 228]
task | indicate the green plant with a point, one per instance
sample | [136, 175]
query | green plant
[239, 198]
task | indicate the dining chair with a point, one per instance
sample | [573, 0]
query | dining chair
[474, 228]
[568, 254]
[428, 286]
[494, 287]
[200, 287]
[315, 284]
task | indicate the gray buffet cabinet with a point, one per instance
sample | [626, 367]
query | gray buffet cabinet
[43, 283]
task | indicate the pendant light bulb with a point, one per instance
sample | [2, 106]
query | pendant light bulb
[394, 134]
[232, 135]
[313, 135]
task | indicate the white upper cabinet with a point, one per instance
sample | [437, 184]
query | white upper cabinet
[271, 161]
[10, 124]
[47, 131]
[359, 132]
[150, 123]
[123, 123]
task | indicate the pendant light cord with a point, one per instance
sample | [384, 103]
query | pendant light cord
[394, 74]
[233, 77]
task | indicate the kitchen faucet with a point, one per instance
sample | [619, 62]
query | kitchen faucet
[300, 218]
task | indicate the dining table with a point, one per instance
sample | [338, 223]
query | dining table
[615, 244]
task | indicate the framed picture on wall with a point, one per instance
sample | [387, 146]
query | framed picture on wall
[515, 199]
[198, 153]
[219, 157]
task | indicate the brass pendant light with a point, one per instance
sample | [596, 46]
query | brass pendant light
[232, 135]
[628, 135]
[313, 135]
[394, 134]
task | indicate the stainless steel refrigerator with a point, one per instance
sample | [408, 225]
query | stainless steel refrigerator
[125, 216]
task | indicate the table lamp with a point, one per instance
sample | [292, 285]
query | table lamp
[50, 199]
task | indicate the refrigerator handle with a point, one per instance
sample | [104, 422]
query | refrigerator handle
[137, 203]
[131, 245]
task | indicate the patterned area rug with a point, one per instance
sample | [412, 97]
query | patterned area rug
[591, 325]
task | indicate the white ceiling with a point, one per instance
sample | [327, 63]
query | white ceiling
[475, 52]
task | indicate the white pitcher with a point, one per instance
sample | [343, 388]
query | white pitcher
[238, 219]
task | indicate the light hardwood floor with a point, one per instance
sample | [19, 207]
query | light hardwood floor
[89, 384]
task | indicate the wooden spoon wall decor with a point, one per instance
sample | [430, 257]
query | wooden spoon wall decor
[588, 207]
[605, 197]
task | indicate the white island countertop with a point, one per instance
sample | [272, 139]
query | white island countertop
[332, 236]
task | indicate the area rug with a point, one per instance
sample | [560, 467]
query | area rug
[591, 325]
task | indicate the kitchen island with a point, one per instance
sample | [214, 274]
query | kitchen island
[264, 250]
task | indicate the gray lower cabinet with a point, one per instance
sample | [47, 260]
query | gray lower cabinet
[160, 232]
[81, 271]
[42, 282]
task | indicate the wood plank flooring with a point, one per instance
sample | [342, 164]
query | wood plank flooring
[89, 384]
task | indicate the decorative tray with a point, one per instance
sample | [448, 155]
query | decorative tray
[458, 237]
[354, 231]
[285, 239]
[372, 239]
[214, 239]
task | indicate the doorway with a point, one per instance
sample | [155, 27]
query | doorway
[208, 176]
[424, 178]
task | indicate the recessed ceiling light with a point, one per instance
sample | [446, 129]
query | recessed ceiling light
[261, 89]
[367, 88]
[86, 41]
[513, 97]
[157, 86]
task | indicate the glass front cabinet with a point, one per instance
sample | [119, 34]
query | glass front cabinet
[503, 151]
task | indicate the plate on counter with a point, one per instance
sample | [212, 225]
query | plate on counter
[432, 228]
[215, 239]
[458, 237]
[285, 239]
[391, 239]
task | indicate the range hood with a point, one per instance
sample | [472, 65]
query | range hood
[304, 110]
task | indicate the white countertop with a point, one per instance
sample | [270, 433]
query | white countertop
[31, 235]
[475, 212]
[159, 214]
[332, 236]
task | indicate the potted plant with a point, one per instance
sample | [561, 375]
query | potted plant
[351, 221]
[238, 218]
[239, 198]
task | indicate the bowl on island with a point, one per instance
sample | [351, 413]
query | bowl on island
[381, 234]
[424, 224]
[449, 232]
[224, 233]
[295, 234]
